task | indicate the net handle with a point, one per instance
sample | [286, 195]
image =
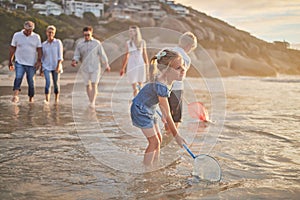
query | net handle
[189, 151]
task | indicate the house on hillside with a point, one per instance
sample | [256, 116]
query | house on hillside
[78, 8]
[180, 10]
[18, 6]
[49, 8]
[281, 44]
[137, 9]
[11, 5]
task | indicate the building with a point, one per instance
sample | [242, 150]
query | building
[11, 5]
[180, 10]
[137, 9]
[49, 8]
[78, 8]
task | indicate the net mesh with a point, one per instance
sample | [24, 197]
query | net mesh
[206, 168]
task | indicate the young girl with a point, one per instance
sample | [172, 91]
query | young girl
[135, 59]
[143, 108]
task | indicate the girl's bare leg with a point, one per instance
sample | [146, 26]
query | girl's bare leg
[153, 148]
[159, 137]
[135, 90]
[140, 85]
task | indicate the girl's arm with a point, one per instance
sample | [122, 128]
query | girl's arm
[145, 55]
[165, 109]
[146, 60]
[125, 60]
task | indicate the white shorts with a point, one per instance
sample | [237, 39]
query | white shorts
[90, 77]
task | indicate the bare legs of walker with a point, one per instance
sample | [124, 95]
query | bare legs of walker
[91, 91]
[57, 98]
[55, 79]
[15, 98]
[152, 152]
[47, 98]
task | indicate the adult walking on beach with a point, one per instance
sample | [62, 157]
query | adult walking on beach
[26, 48]
[92, 56]
[187, 43]
[136, 59]
[52, 62]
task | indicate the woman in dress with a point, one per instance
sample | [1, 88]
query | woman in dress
[135, 59]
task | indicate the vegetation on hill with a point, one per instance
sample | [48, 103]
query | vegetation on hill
[228, 46]
[67, 26]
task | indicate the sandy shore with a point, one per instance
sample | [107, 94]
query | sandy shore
[7, 80]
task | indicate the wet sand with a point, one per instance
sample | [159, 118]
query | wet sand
[68, 151]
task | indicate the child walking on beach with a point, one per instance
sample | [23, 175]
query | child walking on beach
[186, 44]
[171, 67]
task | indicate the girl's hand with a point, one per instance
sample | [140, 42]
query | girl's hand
[180, 140]
[163, 119]
[122, 72]
[107, 68]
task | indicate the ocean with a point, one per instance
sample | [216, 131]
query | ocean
[69, 151]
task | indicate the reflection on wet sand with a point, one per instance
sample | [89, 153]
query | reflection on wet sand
[44, 152]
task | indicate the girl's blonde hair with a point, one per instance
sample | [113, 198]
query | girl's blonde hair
[161, 62]
[137, 39]
[188, 39]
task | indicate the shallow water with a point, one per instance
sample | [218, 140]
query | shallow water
[68, 151]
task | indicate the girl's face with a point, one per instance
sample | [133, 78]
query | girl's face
[132, 32]
[177, 69]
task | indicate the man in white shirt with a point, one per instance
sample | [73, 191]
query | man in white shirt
[91, 54]
[26, 48]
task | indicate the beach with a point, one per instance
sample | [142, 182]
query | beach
[69, 151]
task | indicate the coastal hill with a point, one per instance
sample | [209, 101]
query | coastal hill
[235, 52]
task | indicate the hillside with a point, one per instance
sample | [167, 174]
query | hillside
[235, 52]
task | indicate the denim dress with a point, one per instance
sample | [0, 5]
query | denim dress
[144, 105]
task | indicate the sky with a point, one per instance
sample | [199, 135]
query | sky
[269, 20]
